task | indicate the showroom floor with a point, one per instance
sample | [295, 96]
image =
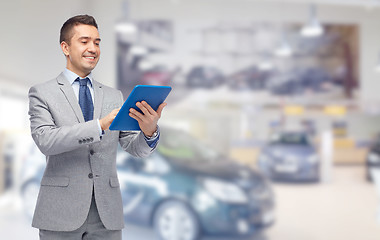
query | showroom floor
[345, 209]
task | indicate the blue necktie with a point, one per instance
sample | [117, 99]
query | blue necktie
[85, 100]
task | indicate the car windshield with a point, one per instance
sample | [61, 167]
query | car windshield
[182, 147]
[290, 139]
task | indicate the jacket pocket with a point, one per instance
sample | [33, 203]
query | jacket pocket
[55, 181]
[114, 182]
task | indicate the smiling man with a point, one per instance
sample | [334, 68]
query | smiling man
[70, 117]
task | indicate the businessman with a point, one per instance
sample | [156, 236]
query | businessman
[70, 115]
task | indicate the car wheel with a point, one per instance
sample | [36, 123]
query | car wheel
[174, 220]
[29, 193]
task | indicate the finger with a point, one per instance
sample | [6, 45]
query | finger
[142, 108]
[134, 116]
[150, 109]
[136, 113]
[160, 108]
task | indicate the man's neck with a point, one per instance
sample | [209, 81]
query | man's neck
[79, 73]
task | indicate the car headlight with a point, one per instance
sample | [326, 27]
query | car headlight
[313, 159]
[224, 191]
[373, 158]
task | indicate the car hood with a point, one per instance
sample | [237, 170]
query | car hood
[224, 169]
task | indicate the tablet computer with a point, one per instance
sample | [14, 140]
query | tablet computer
[153, 95]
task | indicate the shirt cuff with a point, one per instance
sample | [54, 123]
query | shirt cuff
[152, 142]
[101, 132]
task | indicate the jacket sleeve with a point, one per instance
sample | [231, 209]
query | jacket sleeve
[52, 139]
[134, 142]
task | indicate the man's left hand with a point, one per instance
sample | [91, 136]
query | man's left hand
[148, 118]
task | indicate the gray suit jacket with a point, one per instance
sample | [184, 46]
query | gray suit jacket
[78, 160]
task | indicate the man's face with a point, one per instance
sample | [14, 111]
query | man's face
[83, 52]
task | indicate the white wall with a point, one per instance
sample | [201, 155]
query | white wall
[30, 50]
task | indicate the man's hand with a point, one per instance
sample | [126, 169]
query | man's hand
[148, 119]
[107, 120]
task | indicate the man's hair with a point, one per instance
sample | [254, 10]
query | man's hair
[67, 28]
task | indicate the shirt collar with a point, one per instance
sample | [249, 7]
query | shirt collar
[71, 76]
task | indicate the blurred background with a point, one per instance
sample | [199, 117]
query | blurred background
[271, 131]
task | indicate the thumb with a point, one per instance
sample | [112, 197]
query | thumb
[160, 108]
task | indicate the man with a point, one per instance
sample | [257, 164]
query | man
[70, 115]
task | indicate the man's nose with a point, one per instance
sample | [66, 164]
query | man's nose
[91, 48]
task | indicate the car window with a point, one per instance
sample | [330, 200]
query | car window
[290, 139]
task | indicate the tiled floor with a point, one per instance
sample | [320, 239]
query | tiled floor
[345, 209]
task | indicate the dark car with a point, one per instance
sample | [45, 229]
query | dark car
[286, 83]
[290, 156]
[250, 78]
[299, 81]
[373, 158]
[185, 190]
[204, 76]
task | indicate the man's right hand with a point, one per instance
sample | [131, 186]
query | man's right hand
[107, 120]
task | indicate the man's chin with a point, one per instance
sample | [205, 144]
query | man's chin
[89, 68]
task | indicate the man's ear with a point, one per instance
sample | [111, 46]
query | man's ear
[65, 48]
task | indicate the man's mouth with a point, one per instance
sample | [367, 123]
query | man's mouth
[90, 58]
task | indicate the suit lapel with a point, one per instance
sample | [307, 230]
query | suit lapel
[67, 89]
[98, 98]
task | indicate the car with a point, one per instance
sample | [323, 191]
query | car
[299, 81]
[290, 156]
[204, 76]
[185, 190]
[158, 75]
[250, 78]
[286, 83]
[373, 158]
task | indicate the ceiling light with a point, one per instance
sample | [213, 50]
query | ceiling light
[284, 50]
[313, 28]
[126, 28]
[138, 50]
[125, 25]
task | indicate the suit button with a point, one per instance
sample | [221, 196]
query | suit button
[92, 152]
[90, 175]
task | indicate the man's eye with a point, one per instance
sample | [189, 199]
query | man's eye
[97, 44]
[84, 42]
